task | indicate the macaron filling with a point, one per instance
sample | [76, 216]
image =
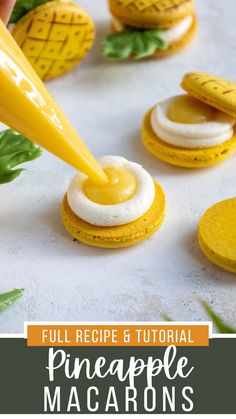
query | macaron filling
[127, 196]
[178, 31]
[168, 35]
[121, 187]
[141, 42]
[187, 123]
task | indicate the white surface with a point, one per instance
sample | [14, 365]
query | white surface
[106, 101]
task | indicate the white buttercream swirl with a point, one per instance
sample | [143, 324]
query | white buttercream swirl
[178, 31]
[202, 135]
[118, 214]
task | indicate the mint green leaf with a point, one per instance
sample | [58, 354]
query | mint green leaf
[155, 41]
[8, 298]
[118, 46]
[156, 35]
[14, 150]
[166, 317]
[149, 48]
[221, 326]
[24, 6]
[138, 44]
[132, 42]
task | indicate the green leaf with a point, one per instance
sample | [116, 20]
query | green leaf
[132, 42]
[14, 150]
[166, 317]
[8, 298]
[24, 6]
[155, 36]
[221, 326]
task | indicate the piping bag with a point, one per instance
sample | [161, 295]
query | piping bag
[27, 107]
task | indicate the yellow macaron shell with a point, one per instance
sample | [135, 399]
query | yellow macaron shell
[151, 13]
[217, 234]
[213, 90]
[119, 236]
[178, 156]
[54, 37]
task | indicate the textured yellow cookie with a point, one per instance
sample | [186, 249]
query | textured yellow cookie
[54, 37]
[174, 46]
[151, 13]
[189, 158]
[213, 90]
[119, 236]
[217, 234]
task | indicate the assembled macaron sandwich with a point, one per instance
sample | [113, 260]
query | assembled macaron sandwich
[121, 212]
[145, 28]
[197, 129]
[54, 35]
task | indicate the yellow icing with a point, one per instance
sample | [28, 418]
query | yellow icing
[120, 187]
[188, 110]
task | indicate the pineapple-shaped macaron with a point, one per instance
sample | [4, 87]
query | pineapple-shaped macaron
[149, 28]
[54, 35]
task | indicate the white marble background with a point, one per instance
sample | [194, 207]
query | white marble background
[106, 101]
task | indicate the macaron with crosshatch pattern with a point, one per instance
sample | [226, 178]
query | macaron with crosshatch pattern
[54, 36]
[151, 13]
[217, 234]
[197, 145]
[149, 28]
[213, 90]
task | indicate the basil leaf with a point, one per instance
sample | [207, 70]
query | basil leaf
[14, 150]
[166, 317]
[8, 298]
[154, 35]
[221, 326]
[24, 6]
[149, 48]
[118, 46]
[132, 42]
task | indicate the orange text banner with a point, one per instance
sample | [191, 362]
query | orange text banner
[118, 335]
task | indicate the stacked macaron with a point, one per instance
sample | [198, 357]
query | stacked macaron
[144, 28]
[197, 129]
